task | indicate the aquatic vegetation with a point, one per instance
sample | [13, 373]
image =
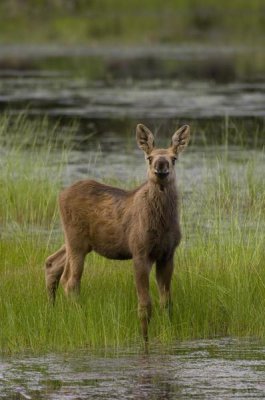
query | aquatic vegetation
[219, 279]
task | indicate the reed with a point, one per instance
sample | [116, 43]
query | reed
[218, 284]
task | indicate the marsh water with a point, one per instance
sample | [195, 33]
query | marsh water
[107, 91]
[205, 369]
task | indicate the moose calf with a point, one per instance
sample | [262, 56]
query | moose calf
[142, 224]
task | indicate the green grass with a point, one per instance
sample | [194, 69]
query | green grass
[132, 21]
[28, 188]
[219, 280]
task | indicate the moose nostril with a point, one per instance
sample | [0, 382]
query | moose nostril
[161, 165]
[161, 168]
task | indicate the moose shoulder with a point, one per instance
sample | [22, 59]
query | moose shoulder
[141, 224]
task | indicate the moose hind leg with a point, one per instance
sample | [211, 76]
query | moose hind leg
[164, 271]
[77, 247]
[54, 267]
[74, 274]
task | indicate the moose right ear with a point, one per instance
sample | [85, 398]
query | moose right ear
[144, 138]
[180, 139]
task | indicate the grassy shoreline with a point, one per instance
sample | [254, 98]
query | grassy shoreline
[218, 284]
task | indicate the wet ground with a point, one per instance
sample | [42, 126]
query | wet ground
[219, 369]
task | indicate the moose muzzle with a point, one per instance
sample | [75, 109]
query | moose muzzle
[161, 168]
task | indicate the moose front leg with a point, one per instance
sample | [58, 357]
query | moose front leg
[142, 270]
[164, 271]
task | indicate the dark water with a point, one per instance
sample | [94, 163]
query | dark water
[109, 90]
[115, 83]
[59, 96]
[219, 369]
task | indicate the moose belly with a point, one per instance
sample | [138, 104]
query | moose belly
[112, 252]
[110, 243]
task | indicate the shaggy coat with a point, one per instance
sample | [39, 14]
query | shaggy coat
[142, 224]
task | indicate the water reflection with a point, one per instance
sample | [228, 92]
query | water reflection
[222, 369]
[138, 82]
[76, 98]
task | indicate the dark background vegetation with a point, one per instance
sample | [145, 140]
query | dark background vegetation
[79, 21]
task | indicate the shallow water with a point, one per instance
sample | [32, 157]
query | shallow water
[63, 96]
[139, 82]
[220, 369]
[58, 96]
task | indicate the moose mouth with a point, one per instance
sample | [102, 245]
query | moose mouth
[161, 174]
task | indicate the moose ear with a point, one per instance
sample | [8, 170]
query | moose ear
[180, 139]
[144, 138]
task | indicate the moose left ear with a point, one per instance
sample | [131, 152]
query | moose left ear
[180, 139]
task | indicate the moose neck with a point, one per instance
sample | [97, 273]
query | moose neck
[162, 190]
[162, 202]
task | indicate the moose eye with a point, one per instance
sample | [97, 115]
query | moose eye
[150, 159]
[174, 160]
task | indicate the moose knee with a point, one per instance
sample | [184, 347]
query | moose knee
[52, 281]
[145, 311]
[48, 264]
[49, 271]
[54, 266]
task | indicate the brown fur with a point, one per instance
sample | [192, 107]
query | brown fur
[141, 224]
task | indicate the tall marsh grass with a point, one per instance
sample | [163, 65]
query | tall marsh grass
[219, 281]
[28, 188]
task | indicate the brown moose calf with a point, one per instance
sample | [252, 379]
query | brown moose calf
[142, 224]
